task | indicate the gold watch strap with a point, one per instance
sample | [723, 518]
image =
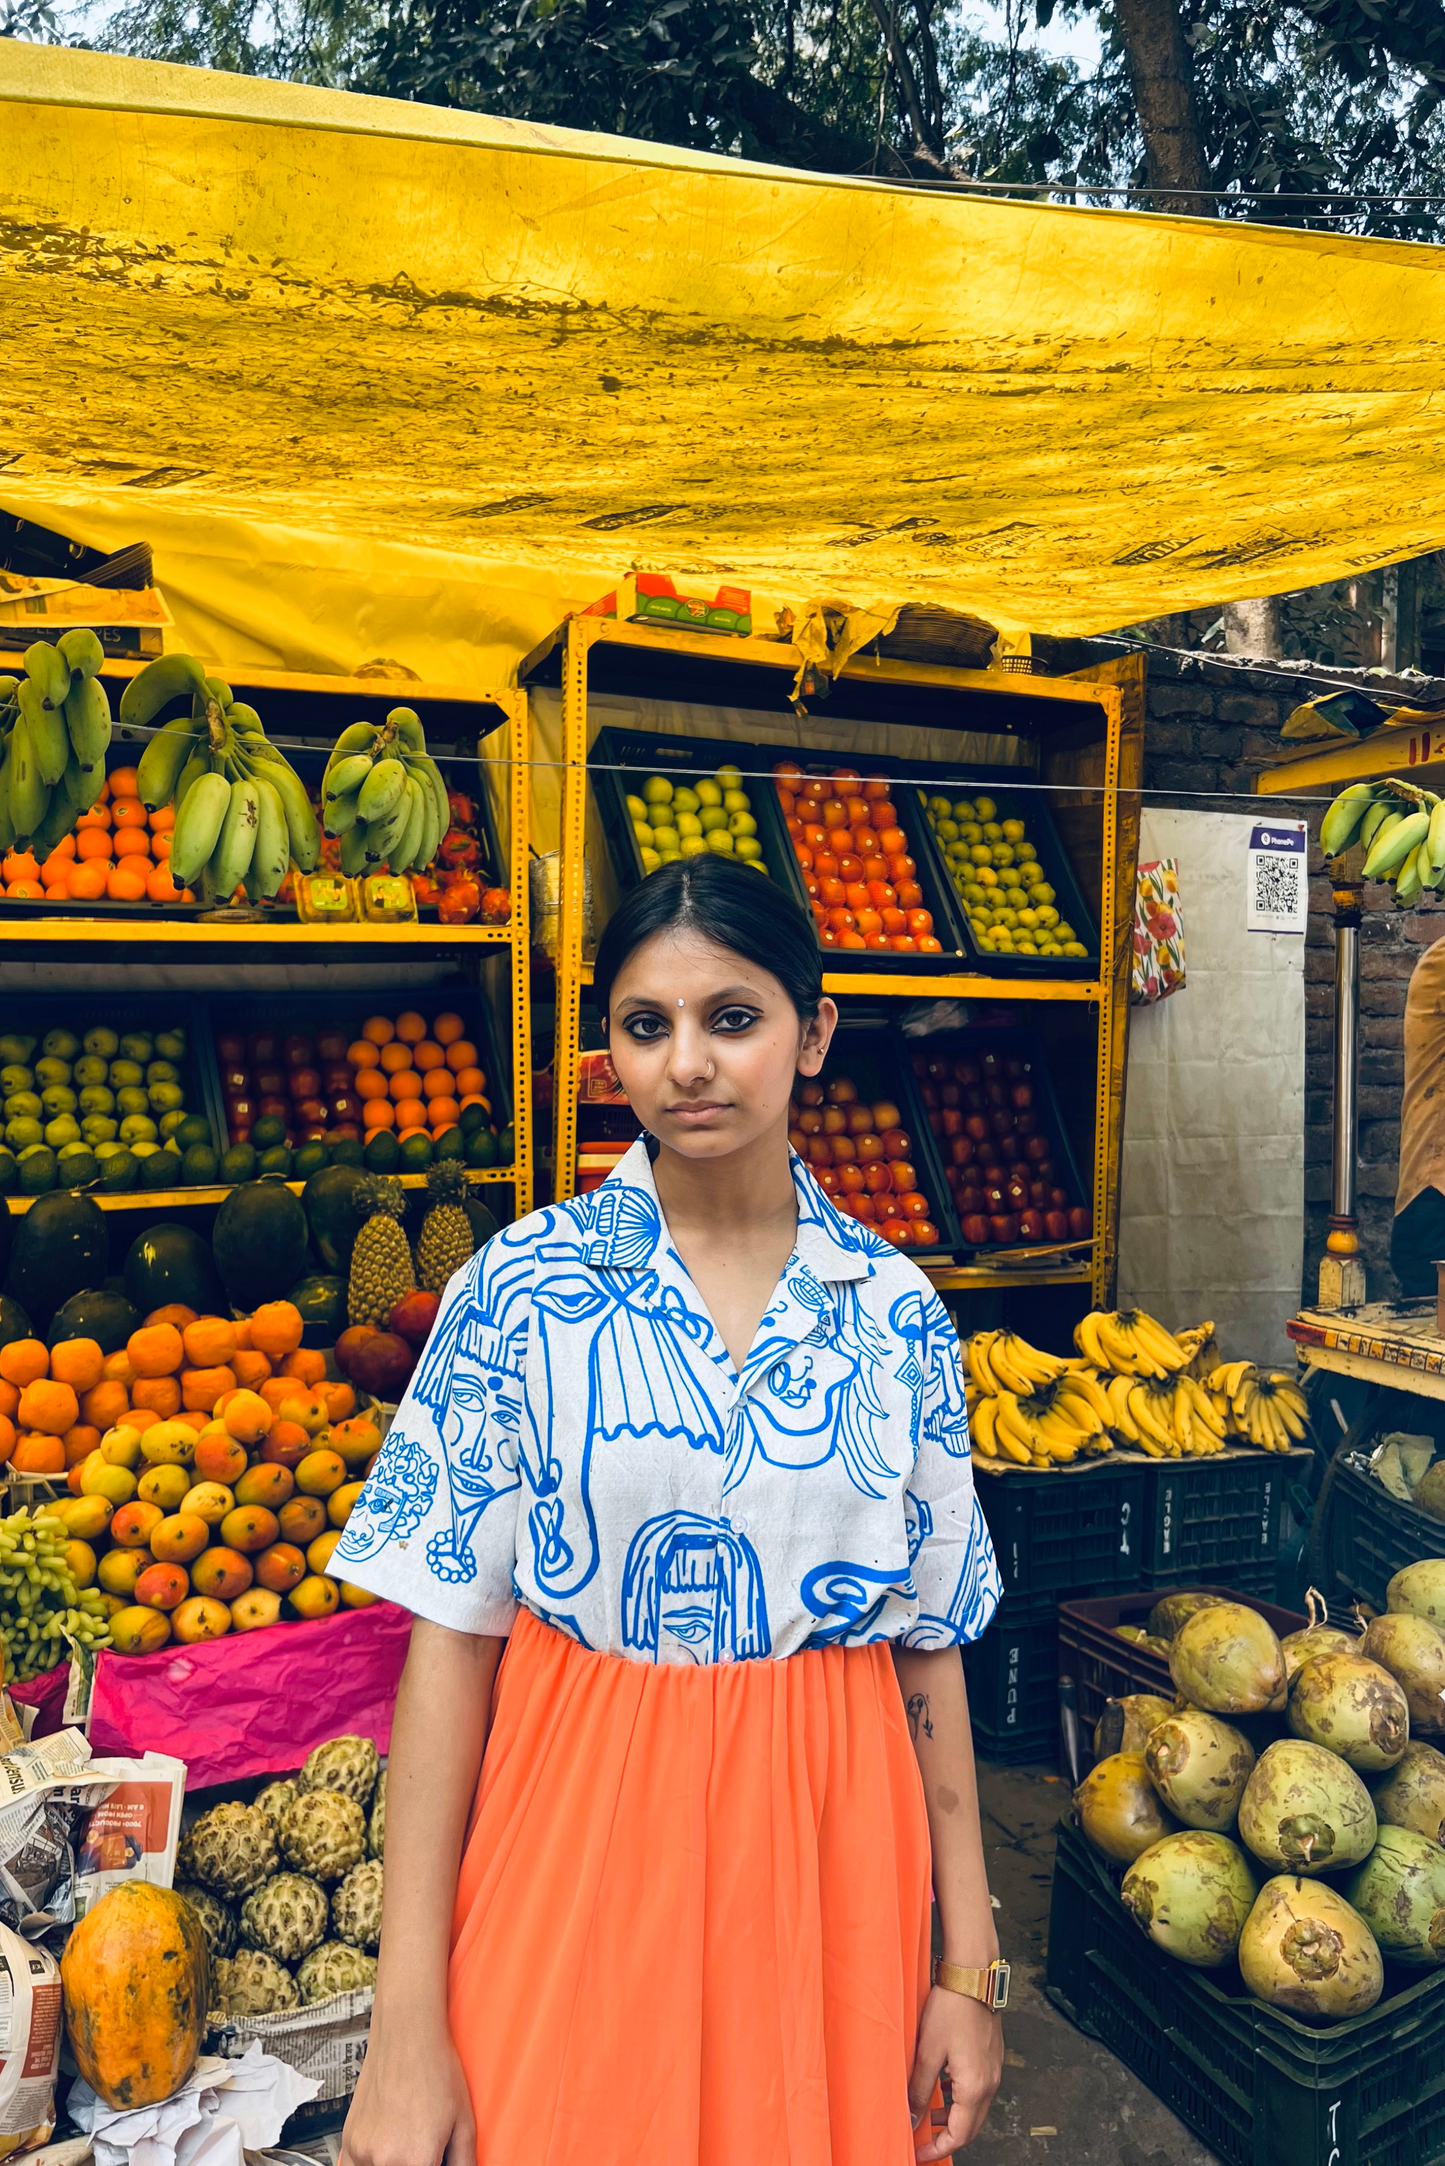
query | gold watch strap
[989, 1986]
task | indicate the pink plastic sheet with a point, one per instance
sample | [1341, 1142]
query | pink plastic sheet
[46, 1694]
[254, 1703]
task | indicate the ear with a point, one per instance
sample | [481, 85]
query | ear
[817, 1037]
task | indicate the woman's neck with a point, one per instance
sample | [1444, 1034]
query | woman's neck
[749, 1192]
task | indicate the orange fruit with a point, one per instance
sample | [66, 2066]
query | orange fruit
[438, 1083]
[87, 882]
[410, 1115]
[306, 1364]
[411, 1027]
[427, 1055]
[468, 1082]
[378, 1029]
[104, 1404]
[131, 842]
[20, 865]
[377, 1113]
[77, 1362]
[50, 1407]
[201, 1388]
[461, 1053]
[26, 890]
[155, 1350]
[23, 1360]
[406, 1083]
[363, 1054]
[126, 811]
[7, 1438]
[162, 1394]
[122, 885]
[163, 819]
[123, 782]
[93, 841]
[160, 887]
[276, 1329]
[447, 1028]
[395, 1056]
[161, 846]
[9, 1397]
[38, 1454]
[444, 1113]
[251, 1369]
[97, 817]
[118, 1368]
[173, 1312]
[208, 1341]
[80, 1442]
[370, 1083]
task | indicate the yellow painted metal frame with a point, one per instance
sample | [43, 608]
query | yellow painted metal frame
[1418, 752]
[1117, 688]
[471, 943]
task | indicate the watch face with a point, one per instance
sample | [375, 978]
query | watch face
[1001, 1975]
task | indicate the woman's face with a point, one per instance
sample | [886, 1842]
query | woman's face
[707, 1045]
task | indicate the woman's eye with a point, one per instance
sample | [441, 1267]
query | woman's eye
[734, 1019]
[644, 1029]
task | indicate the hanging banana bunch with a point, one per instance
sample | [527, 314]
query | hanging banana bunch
[1400, 828]
[242, 813]
[383, 796]
[54, 730]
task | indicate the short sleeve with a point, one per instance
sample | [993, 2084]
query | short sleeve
[954, 1569]
[435, 1527]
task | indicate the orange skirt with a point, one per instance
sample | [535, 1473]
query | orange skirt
[692, 1923]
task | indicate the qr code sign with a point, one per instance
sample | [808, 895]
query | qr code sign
[1277, 882]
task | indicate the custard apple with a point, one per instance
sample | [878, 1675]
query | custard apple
[376, 1826]
[347, 1764]
[323, 1833]
[356, 1906]
[231, 1849]
[218, 1921]
[334, 1968]
[252, 1983]
[274, 1799]
[286, 1916]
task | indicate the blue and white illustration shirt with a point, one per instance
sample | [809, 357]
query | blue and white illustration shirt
[576, 1438]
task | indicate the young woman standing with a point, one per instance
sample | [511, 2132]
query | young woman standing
[693, 1450]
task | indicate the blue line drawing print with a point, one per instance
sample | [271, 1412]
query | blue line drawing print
[974, 1598]
[838, 1595]
[803, 1416]
[945, 1410]
[698, 1582]
[470, 1380]
[395, 1501]
[918, 1519]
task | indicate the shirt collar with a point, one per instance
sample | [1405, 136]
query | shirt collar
[623, 1226]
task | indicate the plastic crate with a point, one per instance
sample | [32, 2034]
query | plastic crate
[1257, 2086]
[81, 1011]
[1210, 1518]
[1031, 806]
[874, 1054]
[1013, 1682]
[1009, 1045]
[1069, 1530]
[1369, 1536]
[1105, 1667]
[620, 762]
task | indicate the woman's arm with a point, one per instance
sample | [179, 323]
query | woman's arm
[411, 2106]
[955, 2035]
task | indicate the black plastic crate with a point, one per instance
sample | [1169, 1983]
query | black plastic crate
[85, 1010]
[1259, 1580]
[621, 761]
[1369, 1536]
[1070, 1529]
[955, 1046]
[1257, 2086]
[914, 826]
[1013, 1681]
[1030, 805]
[1207, 1519]
[875, 1055]
[1105, 1667]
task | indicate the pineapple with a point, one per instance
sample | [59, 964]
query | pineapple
[446, 1239]
[381, 1270]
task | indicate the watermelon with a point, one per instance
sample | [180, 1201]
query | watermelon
[260, 1240]
[60, 1248]
[14, 1323]
[169, 1263]
[329, 1201]
[322, 1302]
[106, 1317]
[483, 1221]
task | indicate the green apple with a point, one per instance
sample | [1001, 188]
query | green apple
[736, 801]
[713, 819]
[650, 859]
[709, 793]
[720, 841]
[102, 1042]
[688, 823]
[665, 840]
[657, 790]
[694, 845]
[742, 823]
[171, 1044]
[636, 808]
[748, 847]
[684, 799]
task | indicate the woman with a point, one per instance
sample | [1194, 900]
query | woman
[693, 1449]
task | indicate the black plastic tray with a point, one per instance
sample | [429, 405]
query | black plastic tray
[870, 1044]
[1014, 803]
[1013, 1681]
[914, 825]
[619, 755]
[1068, 1530]
[84, 1010]
[1009, 1044]
[1217, 1515]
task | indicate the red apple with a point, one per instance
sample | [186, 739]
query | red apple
[928, 1092]
[997, 1196]
[270, 1080]
[972, 1201]
[962, 1151]
[311, 1111]
[346, 1106]
[950, 1122]
[991, 1064]
[965, 1071]
[949, 1094]
[1025, 1124]
[975, 1099]
[279, 1108]
[935, 1122]
[975, 1230]
[298, 1052]
[1057, 1225]
[331, 1045]
[1021, 1095]
[261, 1048]
[305, 1083]
[235, 1078]
[1081, 1223]
[1039, 1195]
[241, 1106]
[977, 1126]
[1000, 1122]
[1046, 1170]
[349, 1129]
[987, 1154]
[336, 1076]
[1036, 1148]
[1058, 1199]
[350, 1341]
[1031, 1225]
[1005, 1230]
[996, 1093]
[231, 1047]
[1018, 1194]
[240, 1135]
[413, 1317]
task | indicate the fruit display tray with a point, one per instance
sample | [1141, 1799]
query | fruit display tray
[871, 1051]
[1002, 784]
[1256, 2085]
[621, 761]
[1024, 1045]
[1104, 1667]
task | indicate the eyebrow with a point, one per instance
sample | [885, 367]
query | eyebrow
[728, 994]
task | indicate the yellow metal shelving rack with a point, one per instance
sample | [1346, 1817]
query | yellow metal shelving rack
[1099, 755]
[318, 708]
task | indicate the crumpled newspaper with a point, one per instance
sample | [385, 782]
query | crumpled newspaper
[222, 2110]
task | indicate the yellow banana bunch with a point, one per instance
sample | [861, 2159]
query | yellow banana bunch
[1130, 1342]
[1266, 1408]
[1030, 1407]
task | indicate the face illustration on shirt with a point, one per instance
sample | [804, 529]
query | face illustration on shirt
[696, 1582]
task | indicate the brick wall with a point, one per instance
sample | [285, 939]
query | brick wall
[1211, 727]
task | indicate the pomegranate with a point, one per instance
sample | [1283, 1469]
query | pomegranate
[413, 1317]
[383, 1364]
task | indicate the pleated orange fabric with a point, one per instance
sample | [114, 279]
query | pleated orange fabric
[692, 1922]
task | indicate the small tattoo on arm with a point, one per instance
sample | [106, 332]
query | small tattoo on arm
[919, 1719]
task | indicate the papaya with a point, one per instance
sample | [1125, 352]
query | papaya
[260, 1242]
[333, 1215]
[106, 1317]
[168, 1264]
[322, 1302]
[60, 1248]
[136, 1979]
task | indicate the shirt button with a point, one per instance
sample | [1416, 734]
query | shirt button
[725, 1654]
[739, 1525]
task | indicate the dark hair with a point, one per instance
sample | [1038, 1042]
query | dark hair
[727, 902]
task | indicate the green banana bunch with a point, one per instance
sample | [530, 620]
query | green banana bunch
[57, 770]
[242, 814]
[384, 796]
[1342, 822]
[1399, 826]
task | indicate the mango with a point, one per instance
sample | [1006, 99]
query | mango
[200, 1619]
[120, 1446]
[98, 1478]
[356, 1597]
[169, 1444]
[80, 1563]
[257, 1607]
[317, 1596]
[339, 1503]
[119, 1569]
[139, 1631]
[164, 1486]
[209, 1501]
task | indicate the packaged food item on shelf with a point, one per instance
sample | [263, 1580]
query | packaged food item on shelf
[859, 874]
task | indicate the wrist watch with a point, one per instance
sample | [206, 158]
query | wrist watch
[989, 1986]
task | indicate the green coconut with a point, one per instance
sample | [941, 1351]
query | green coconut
[1304, 1949]
[1311, 1640]
[1119, 1808]
[1125, 1724]
[1399, 1891]
[1413, 1651]
[1170, 1611]
[1305, 1811]
[1352, 1707]
[1420, 1589]
[1412, 1795]
[1227, 1660]
[1191, 1894]
[1199, 1765]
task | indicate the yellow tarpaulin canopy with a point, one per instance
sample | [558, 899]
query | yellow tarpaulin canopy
[384, 379]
